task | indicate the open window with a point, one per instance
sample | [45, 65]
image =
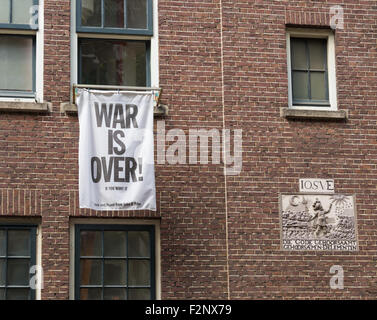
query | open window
[115, 43]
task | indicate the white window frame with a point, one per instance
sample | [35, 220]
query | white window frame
[39, 57]
[331, 65]
[154, 52]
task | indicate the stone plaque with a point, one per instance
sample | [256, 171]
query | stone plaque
[317, 185]
[318, 222]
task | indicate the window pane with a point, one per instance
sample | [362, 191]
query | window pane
[91, 243]
[19, 243]
[115, 243]
[91, 13]
[299, 59]
[2, 272]
[138, 244]
[4, 12]
[18, 294]
[300, 85]
[114, 294]
[2, 294]
[90, 294]
[16, 63]
[114, 13]
[139, 272]
[317, 53]
[21, 11]
[317, 82]
[139, 294]
[113, 62]
[18, 272]
[91, 272]
[137, 14]
[3, 235]
[115, 272]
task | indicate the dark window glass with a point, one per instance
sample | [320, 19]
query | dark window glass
[115, 244]
[137, 14]
[138, 244]
[139, 272]
[123, 267]
[115, 272]
[18, 272]
[90, 294]
[309, 71]
[91, 243]
[91, 13]
[120, 14]
[91, 272]
[18, 294]
[3, 249]
[3, 275]
[115, 294]
[17, 256]
[139, 294]
[18, 242]
[113, 62]
[114, 13]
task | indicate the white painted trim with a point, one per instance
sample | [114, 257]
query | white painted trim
[124, 221]
[39, 55]
[154, 54]
[12, 99]
[74, 49]
[38, 246]
[331, 65]
[155, 77]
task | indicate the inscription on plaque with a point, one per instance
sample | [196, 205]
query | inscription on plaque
[318, 222]
[317, 185]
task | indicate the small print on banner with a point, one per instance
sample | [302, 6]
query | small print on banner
[116, 157]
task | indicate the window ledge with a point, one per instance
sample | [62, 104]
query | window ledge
[71, 108]
[335, 115]
[35, 107]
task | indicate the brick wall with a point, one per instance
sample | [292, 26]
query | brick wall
[210, 247]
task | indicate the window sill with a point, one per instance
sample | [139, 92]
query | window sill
[33, 107]
[71, 108]
[336, 115]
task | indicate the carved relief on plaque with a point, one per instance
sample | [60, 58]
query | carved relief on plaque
[318, 222]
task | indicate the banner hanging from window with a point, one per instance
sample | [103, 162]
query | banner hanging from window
[116, 157]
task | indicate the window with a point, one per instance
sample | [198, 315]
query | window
[17, 255]
[113, 62]
[17, 65]
[18, 39]
[114, 42]
[311, 61]
[115, 16]
[114, 262]
[16, 14]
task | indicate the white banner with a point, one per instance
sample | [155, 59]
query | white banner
[116, 157]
